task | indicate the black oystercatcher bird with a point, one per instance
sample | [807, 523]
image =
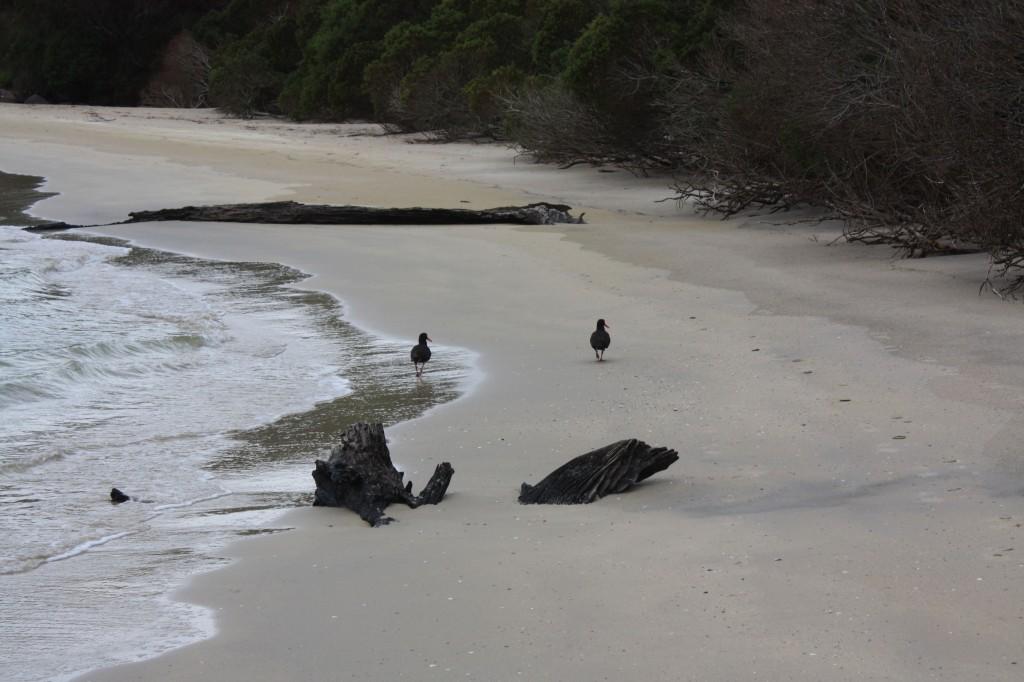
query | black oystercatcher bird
[600, 339]
[420, 353]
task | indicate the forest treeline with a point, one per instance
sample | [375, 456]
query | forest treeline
[903, 117]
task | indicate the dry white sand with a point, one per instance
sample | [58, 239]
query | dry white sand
[848, 501]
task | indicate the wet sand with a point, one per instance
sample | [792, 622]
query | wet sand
[849, 496]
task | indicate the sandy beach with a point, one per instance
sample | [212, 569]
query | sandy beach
[849, 499]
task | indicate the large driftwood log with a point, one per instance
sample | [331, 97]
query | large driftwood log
[359, 475]
[293, 213]
[606, 471]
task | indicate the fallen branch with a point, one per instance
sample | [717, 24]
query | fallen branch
[359, 475]
[294, 213]
[609, 470]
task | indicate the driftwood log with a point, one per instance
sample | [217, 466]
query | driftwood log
[609, 470]
[294, 213]
[359, 475]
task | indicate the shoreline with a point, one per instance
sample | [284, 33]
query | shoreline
[202, 626]
[796, 538]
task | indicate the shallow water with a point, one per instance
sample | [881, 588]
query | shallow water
[204, 389]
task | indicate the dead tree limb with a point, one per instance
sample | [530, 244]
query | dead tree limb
[609, 470]
[294, 213]
[359, 475]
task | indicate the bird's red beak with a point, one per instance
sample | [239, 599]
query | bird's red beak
[430, 339]
[606, 324]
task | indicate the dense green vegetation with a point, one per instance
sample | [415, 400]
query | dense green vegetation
[903, 117]
[97, 51]
[420, 64]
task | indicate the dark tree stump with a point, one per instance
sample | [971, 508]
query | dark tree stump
[294, 213]
[359, 475]
[609, 470]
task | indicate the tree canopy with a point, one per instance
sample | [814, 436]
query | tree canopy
[903, 117]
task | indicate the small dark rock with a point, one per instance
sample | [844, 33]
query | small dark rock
[117, 497]
[36, 99]
[7, 96]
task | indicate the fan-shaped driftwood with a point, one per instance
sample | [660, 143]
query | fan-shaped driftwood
[612, 469]
[359, 475]
[294, 213]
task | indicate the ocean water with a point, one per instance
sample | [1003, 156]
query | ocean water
[203, 389]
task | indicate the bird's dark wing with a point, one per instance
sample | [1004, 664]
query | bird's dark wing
[600, 340]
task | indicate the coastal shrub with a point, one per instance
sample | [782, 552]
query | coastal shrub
[7, 36]
[551, 123]
[905, 117]
[183, 79]
[243, 82]
[446, 73]
[486, 94]
[236, 19]
[459, 60]
[329, 81]
[621, 83]
[442, 65]
[557, 26]
[277, 29]
[614, 64]
[259, 42]
[404, 49]
[97, 52]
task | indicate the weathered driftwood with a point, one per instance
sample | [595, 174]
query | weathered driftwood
[54, 227]
[293, 213]
[606, 471]
[359, 475]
